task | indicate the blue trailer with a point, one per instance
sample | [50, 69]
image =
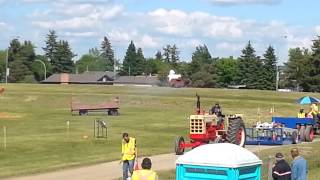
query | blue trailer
[271, 136]
[306, 127]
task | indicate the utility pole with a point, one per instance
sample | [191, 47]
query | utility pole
[114, 68]
[277, 78]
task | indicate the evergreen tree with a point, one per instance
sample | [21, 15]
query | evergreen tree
[166, 54]
[27, 54]
[158, 56]
[226, 71]
[200, 57]
[51, 47]
[269, 69]
[312, 80]
[107, 54]
[140, 61]
[174, 53]
[21, 57]
[94, 52]
[3, 56]
[64, 57]
[129, 62]
[18, 71]
[249, 68]
[202, 69]
[296, 68]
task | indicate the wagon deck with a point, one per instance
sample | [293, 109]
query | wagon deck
[111, 107]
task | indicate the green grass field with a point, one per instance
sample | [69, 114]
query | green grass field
[36, 116]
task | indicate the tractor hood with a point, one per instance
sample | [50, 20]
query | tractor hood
[219, 155]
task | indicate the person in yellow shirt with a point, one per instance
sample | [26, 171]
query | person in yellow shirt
[145, 173]
[301, 114]
[314, 110]
[128, 154]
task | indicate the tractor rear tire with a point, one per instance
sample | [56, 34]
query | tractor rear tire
[309, 134]
[302, 133]
[294, 137]
[236, 133]
[177, 148]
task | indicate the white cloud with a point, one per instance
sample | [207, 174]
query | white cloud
[148, 42]
[80, 34]
[241, 2]
[171, 21]
[73, 23]
[68, 1]
[122, 36]
[298, 41]
[5, 27]
[233, 47]
[85, 16]
[184, 24]
[317, 30]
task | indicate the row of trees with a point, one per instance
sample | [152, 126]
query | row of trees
[22, 59]
[302, 69]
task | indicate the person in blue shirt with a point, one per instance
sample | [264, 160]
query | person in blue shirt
[299, 166]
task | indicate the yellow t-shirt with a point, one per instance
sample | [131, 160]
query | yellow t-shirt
[301, 115]
[314, 109]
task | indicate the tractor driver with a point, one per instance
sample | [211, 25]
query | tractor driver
[216, 109]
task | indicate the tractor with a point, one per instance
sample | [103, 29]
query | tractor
[208, 128]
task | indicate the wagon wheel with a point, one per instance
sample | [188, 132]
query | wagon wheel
[113, 112]
[294, 137]
[178, 142]
[302, 133]
[83, 112]
[309, 134]
[236, 133]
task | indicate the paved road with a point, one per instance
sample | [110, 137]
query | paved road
[111, 170]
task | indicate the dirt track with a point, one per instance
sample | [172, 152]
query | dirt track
[111, 170]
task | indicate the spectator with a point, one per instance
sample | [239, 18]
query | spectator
[298, 166]
[145, 173]
[281, 170]
[301, 114]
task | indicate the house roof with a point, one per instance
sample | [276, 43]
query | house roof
[86, 77]
[143, 80]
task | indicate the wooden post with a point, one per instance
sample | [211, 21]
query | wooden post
[68, 128]
[270, 165]
[5, 137]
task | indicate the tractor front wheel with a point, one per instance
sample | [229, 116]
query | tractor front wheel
[178, 143]
[236, 133]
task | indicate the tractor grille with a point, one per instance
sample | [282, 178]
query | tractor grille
[197, 126]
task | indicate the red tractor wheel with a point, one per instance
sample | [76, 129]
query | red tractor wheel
[236, 132]
[178, 143]
[309, 134]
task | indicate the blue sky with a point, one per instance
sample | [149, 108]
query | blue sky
[225, 26]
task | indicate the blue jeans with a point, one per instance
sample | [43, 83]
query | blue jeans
[127, 166]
